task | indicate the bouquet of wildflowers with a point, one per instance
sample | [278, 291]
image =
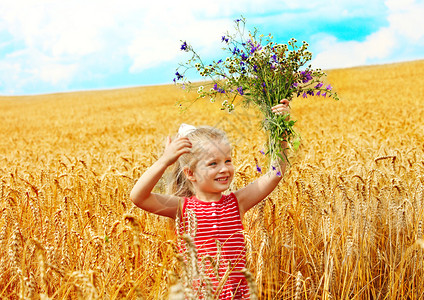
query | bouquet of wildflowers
[258, 71]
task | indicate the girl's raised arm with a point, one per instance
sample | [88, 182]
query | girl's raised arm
[258, 190]
[141, 194]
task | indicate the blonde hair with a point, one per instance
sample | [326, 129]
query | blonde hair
[178, 184]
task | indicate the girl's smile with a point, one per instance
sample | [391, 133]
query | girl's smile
[222, 180]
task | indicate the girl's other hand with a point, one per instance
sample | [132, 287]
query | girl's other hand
[175, 148]
[282, 108]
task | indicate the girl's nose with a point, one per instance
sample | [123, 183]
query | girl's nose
[224, 168]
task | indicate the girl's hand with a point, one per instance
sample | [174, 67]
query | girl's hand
[282, 108]
[175, 148]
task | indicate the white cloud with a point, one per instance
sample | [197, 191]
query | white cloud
[153, 47]
[58, 42]
[405, 29]
[406, 19]
[335, 54]
[30, 67]
[58, 28]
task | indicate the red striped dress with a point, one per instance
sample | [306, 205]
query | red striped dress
[220, 221]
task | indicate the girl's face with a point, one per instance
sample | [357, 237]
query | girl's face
[214, 170]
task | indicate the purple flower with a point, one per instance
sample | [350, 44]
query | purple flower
[306, 76]
[318, 93]
[219, 61]
[258, 169]
[262, 152]
[319, 85]
[304, 95]
[324, 94]
[240, 90]
[310, 92]
[328, 88]
[235, 50]
[224, 39]
[179, 76]
[254, 47]
[184, 46]
[219, 90]
[279, 174]
[274, 168]
[244, 56]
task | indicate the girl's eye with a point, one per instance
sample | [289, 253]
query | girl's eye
[228, 161]
[212, 164]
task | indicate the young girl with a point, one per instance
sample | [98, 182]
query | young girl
[203, 171]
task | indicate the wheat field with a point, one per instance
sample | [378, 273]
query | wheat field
[345, 223]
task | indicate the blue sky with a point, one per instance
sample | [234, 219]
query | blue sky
[49, 46]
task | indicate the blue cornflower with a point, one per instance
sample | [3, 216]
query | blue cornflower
[244, 56]
[184, 46]
[235, 50]
[224, 39]
[255, 68]
[240, 90]
[219, 61]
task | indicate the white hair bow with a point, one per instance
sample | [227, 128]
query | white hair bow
[185, 129]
